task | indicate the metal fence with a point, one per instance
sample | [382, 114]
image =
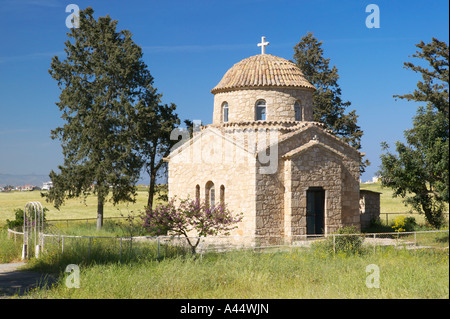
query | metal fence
[164, 246]
[386, 218]
[66, 221]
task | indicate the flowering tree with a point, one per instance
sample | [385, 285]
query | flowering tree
[191, 218]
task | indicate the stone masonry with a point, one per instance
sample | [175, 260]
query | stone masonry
[265, 169]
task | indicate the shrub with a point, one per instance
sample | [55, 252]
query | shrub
[402, 224]
[18, 221]
[399, 223]
[410, 224]
[376, 226]
[190, 218]
[345, 243]
[349, 244]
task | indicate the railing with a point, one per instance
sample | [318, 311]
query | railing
[385, 217]
[67, 220]
[162, 246]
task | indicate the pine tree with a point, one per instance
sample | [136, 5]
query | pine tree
[101, 80]
[419, 171]
[434, 87]
[156, 122]
[329, 108]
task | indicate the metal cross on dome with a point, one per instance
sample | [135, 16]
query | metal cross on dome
[263, 45]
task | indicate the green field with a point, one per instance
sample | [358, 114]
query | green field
[72, 209]
[78, 208]
[390, 207]
[171, 272]
[388, 203]
[247, 274]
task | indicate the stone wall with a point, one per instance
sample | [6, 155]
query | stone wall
[270, 202]
[311, 158]
[315, 167]
[274, 204]
[210, 158]
[369, 206]
[279, 104]
[314, 158]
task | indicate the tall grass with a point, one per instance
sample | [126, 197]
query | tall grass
[136, 272]
[84, 245]
[247, 274]
[10, 250]
[108, 272]
[111, 228]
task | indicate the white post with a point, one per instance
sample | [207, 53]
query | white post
[157, 253]
[35, 224]
[25, 234]
[120, 254]
[374, 243]
[24, 251]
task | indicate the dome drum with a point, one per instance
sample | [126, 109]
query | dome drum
[263, 81]
[242, 104]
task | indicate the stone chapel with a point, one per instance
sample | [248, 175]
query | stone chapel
[265, 157]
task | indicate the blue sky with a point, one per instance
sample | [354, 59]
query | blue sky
[189, 45]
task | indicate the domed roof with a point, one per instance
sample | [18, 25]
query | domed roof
[263, 70]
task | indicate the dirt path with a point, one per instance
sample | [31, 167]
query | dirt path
[14, 281]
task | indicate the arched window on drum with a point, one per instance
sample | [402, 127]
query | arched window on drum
[298, 111]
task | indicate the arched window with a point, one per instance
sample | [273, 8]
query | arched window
[298, 111]
[197, 192]
[260, 110]
[225, 112]
[210, 193]
[212, 196]
[222, 195]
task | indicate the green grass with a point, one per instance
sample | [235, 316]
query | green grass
[78, 208]
[393, 206]
[10, 250]
[246, 274]
[299, 273]
[388, 203]
[72, 209]
[238, 274]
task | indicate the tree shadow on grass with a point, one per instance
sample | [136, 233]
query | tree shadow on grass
[20, 282]
[55, 262]
[443, 239]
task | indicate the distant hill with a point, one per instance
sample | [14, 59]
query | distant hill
[38, 180]
[21, 180]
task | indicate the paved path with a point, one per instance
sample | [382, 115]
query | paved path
[14, 281]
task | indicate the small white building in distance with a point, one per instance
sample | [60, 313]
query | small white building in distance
[46, 186]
